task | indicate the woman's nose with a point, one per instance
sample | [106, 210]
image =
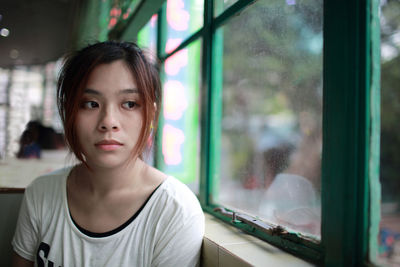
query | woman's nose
[108, 121]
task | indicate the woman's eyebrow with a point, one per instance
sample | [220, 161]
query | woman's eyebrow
[129, 91]
[121, 92]
[91, 91]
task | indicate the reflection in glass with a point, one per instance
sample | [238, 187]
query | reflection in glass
[179, 128]
[184, 17]
[147, 38]
[389, 234]
[271, 139]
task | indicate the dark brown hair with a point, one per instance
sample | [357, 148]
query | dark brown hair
[75, 73]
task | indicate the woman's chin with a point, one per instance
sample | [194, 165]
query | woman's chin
[108, 163]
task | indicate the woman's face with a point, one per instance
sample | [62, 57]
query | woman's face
[110, 117]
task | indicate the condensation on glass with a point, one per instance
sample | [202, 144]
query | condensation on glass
[271, 139]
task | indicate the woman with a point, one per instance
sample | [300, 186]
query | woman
[112, 209]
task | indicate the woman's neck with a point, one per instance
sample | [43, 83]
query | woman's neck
[106, 181]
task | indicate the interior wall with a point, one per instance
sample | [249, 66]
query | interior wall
[9, 208]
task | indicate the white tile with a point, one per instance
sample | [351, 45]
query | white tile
[209, 253]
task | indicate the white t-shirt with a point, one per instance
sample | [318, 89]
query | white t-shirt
[167, 231]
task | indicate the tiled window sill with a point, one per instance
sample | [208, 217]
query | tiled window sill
[226, 246]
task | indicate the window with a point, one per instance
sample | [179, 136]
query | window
[179, 128]
[184, 17]
[260, 95]
[178, 138]
[271, 122]
[4, 78]
[302, 76]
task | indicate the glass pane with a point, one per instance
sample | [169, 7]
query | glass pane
[389, 238]
[271, 139]
[50, 114]
[147, 41]
[147, 38]
[184, 17]
[4, 80]
[3, 129]
[180, 128]
[3, 86]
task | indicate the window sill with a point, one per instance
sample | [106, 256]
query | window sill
[225, 245]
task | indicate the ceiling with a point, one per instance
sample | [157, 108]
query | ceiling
[39, 30]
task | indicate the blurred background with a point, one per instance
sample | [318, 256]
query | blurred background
[272, 112]
[34, 35]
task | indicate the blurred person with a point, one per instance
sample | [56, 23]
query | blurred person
[47, 137]
[293, 198]
[28, 146]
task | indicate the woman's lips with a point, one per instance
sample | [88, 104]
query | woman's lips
[108, 145]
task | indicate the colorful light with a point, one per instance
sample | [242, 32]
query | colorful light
[173, 138]
[175, 100]
[177, 17]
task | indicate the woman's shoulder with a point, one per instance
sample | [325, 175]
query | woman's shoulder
[49, 180]
[176, 188]
[179, 196]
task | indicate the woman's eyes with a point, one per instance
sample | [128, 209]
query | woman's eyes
[94, 104]
[90, 105]
[130, 104]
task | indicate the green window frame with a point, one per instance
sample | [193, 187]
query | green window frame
[351, 123]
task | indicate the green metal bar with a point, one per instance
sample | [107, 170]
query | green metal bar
[291, 243]
[217, 104]
[374, 159]
[205, 118]
[230, 12]
[216, 115]
[161, 30]
[184, 44]
[161, 42]
[345, 133]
